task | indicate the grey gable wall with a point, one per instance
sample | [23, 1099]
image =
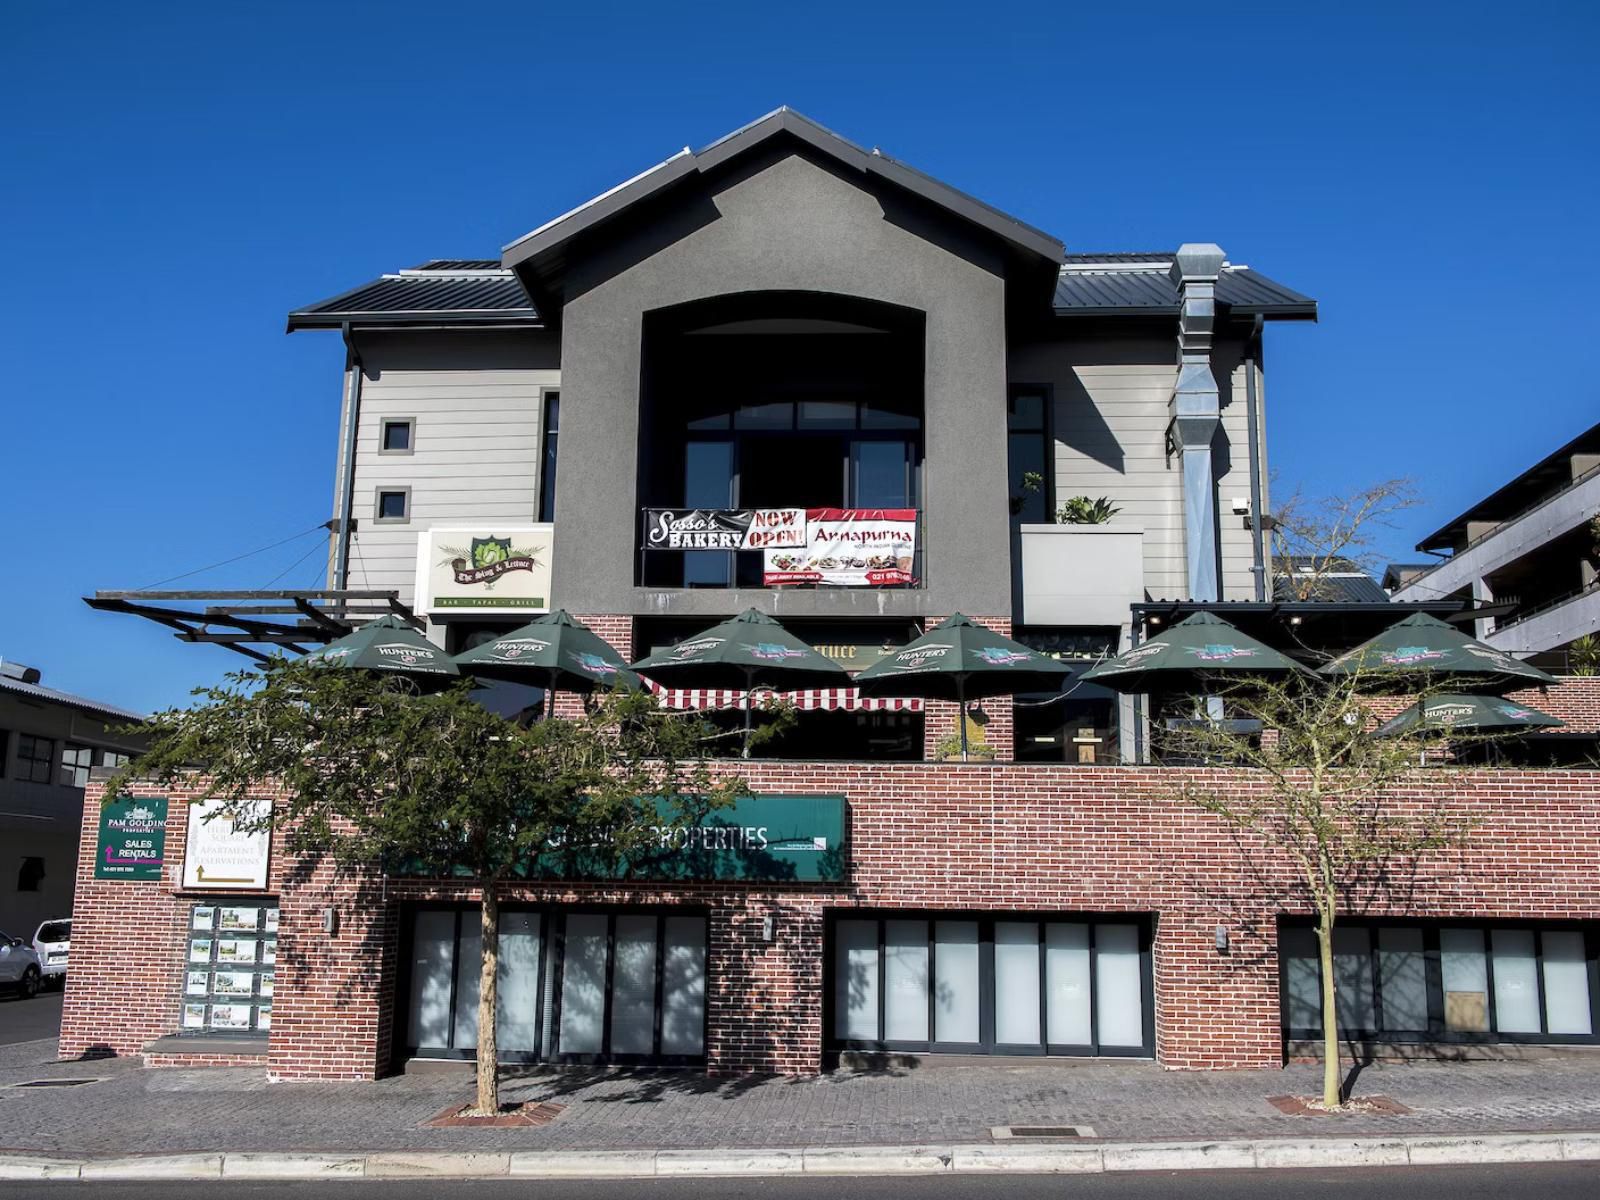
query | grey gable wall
[786, 223]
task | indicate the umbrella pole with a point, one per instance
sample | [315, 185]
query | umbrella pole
[749, 686]
[961, 700]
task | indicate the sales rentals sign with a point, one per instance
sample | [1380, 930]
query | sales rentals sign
[840, 547]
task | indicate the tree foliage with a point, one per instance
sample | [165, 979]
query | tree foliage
[376, 777]
[1315, 538]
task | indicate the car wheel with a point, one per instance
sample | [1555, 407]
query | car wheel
[30, 983]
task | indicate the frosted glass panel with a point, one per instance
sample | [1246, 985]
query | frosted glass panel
[905, 948]
[517, 1014]
[1066, 977]
[1298, 948]
[633, 986]
[583, 984]
[1566, 984]
[955, 985]
[683, 986]
[433, 948]
[1016, 982]
[1120, 1006]
[1466, 980]
[1352, 973]
[1516, 981]
[855, 1005]
[1403, 978]
[469, 968]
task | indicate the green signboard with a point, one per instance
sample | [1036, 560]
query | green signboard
[792, 839]
[133, 839]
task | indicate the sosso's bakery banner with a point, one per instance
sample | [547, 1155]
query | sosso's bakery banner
[839, 547]
[485, 569]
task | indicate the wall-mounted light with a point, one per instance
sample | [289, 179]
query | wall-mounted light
[769, 928]
[330, 921]
[1222, 939]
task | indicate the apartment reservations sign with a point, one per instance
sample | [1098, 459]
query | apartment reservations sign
[485, 569]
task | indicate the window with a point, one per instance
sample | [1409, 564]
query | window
[978, 984]
[31, 874]
[111, 758]
[1411, 982]
[1029, 454]
[397, 434]
[75, 762]
[1079, 723]
[35, 759]
[393, 505]
[547, 465]
[233, 953]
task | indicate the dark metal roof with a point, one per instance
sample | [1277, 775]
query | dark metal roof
[44, 695]
[1346, 584]
[1133, 285]
[1548, 477]
[440, 292]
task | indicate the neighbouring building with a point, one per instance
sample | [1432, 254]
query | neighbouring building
[784, 330]
[49, 742]
[1529, 553]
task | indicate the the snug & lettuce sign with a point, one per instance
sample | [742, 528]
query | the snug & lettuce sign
[485, 569]
[133, 839]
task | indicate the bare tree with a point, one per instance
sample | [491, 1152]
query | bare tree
[1315, 538]
[1328, 803]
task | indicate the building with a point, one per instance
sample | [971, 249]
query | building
[1529, 552]
[49, 742]
[785, 330]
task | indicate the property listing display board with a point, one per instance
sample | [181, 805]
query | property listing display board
[229, 968]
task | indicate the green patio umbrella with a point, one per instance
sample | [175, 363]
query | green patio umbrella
[554, 652]
[1200, 646]
[1424, 646]
[750, 650]
[961, 661]
[1448, 711]
[389, 645]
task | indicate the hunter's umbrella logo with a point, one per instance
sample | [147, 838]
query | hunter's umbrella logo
[487, 559]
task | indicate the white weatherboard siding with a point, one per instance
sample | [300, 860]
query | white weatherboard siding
[475, 457]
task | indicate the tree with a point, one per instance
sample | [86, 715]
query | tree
[378, 777]
[1314, 539]
[1328, 804]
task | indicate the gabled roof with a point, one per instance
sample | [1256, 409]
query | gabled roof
[442, 291]
[44, 695]
[1139, 285]
[547, 240]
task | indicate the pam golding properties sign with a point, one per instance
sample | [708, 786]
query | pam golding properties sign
[133, 839]
[849, 547]
[485, 569]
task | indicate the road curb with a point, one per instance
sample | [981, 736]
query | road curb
[1051, 1158]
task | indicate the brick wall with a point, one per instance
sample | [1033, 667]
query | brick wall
[1005, 837]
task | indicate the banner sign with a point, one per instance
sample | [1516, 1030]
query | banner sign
[485, 569]
[849, 547]
[788, 838]
[219, 855]
[837, 547]
[133, 839]
[723, 528]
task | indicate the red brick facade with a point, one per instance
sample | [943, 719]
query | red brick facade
[931, 836]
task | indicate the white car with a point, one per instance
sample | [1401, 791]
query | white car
[51, 942]
[19, 966]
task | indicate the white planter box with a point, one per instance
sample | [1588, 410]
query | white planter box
[1081, 574]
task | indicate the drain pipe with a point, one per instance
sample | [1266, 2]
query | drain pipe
[344, 501]
[1258, 567]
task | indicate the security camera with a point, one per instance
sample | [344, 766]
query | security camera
[1240, 505]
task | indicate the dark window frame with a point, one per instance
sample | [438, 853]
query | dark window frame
[1046, 433]
[1433, 966]
[987, 1045]
[69, 773]
[552, 966]
[549, 450]
[409, 424]
[29, 762]
[382, 490]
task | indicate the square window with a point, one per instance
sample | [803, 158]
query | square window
[394, 504]
[35, 759]
[75, 762]
[397, 437]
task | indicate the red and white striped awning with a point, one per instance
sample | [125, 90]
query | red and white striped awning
[832, 699]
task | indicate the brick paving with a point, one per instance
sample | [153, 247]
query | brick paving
[136, 1109]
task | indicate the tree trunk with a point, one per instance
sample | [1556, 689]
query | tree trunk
[488, 978]
[1330, 1013]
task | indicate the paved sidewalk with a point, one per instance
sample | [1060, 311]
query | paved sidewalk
[132, 1109]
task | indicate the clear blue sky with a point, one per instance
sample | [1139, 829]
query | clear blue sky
[174, 178]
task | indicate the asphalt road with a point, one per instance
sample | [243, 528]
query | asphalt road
[1550, 1181]
[29, 1020]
